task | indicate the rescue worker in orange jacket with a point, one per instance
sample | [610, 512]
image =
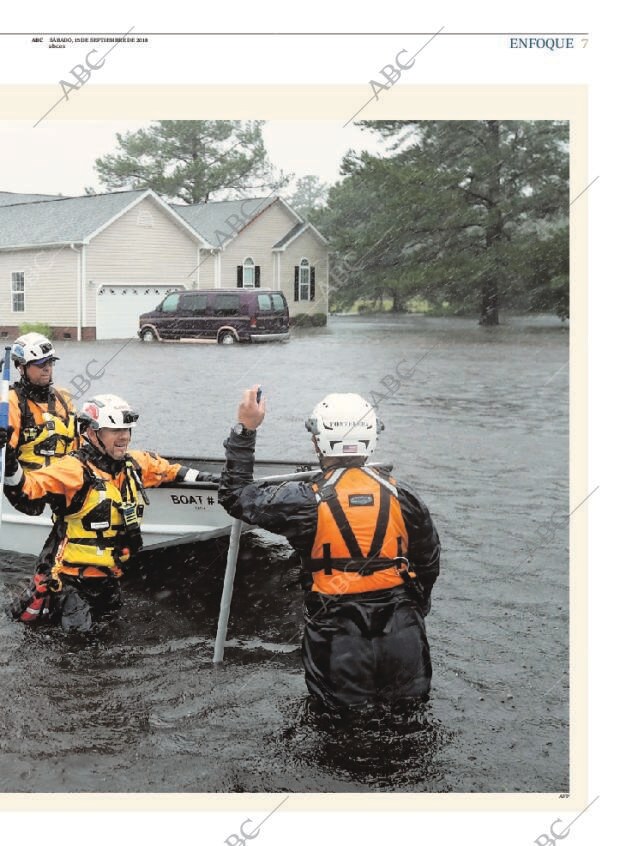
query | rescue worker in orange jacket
[368, 546]
[97, 494]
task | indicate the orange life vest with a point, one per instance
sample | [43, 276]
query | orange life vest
[47, 429]
[360, 534]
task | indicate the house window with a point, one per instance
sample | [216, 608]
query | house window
[248, 274]
[304, 281]
[17, 291]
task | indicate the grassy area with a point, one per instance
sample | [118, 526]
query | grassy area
[41, 328]
[415, 305]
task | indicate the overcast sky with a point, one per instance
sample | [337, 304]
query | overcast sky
[57, 157]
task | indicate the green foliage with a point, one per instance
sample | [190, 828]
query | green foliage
[301, 320]
[452, 216]
[189, 160]
[310, 195]
[318, 318]
[41, 328]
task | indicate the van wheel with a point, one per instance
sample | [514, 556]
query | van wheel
[148, 336]
[226, 338]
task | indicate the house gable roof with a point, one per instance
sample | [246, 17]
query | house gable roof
[73, 219]
[221, 221]
[295, 232]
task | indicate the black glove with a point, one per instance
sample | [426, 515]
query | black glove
[5, 435]
[207, 477]
[11, 464]
[191, 474]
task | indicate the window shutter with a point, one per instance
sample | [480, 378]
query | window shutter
[296, 297]
[312, 283]
[239, 276]
[257, 276]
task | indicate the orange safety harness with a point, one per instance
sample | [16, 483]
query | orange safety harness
[361, 533]
[54, 435]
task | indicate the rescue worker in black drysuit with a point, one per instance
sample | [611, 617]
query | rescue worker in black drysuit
[97, 493]
[368, 547]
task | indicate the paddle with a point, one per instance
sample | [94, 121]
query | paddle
[4, 412]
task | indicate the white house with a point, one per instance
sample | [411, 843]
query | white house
[89, 266]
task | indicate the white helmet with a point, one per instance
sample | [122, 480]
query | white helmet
[107, 411]
[344, 424]
[32, 347]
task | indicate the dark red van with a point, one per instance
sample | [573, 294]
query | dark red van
[220, 315]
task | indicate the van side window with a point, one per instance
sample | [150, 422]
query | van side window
[171, 303]
[194, 303]
[264, 302]
[278, 302]
[226, 305]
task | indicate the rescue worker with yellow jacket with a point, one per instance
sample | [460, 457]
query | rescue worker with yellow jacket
[367, 544]
[42, 418]
[97, 493]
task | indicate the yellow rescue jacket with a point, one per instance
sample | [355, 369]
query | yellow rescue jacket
[44, 431]
[360, 534]
[102, 529]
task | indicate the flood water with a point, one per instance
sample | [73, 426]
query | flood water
[477, 422]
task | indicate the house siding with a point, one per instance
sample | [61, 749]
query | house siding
[256, 241]
[207, 270]
[50, 282]
[143, 246]
[310, 247]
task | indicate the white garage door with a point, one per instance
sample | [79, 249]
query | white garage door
[120, 306]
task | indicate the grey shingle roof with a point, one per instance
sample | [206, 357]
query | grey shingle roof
[218, 222]
[9, 198]
[34, 219]
[59, 221]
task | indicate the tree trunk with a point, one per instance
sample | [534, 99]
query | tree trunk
[489, 306]
[489, 315]
[399, 302]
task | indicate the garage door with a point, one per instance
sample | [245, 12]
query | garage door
[120, 306]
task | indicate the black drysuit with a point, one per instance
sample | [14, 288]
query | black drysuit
[358, 648]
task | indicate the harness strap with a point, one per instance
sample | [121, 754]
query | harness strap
[351, 565]
[27, 420]
[385, 483]
[89, 571]
[344, 527]
[133, 470]
[327, 559]
[382, 523]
